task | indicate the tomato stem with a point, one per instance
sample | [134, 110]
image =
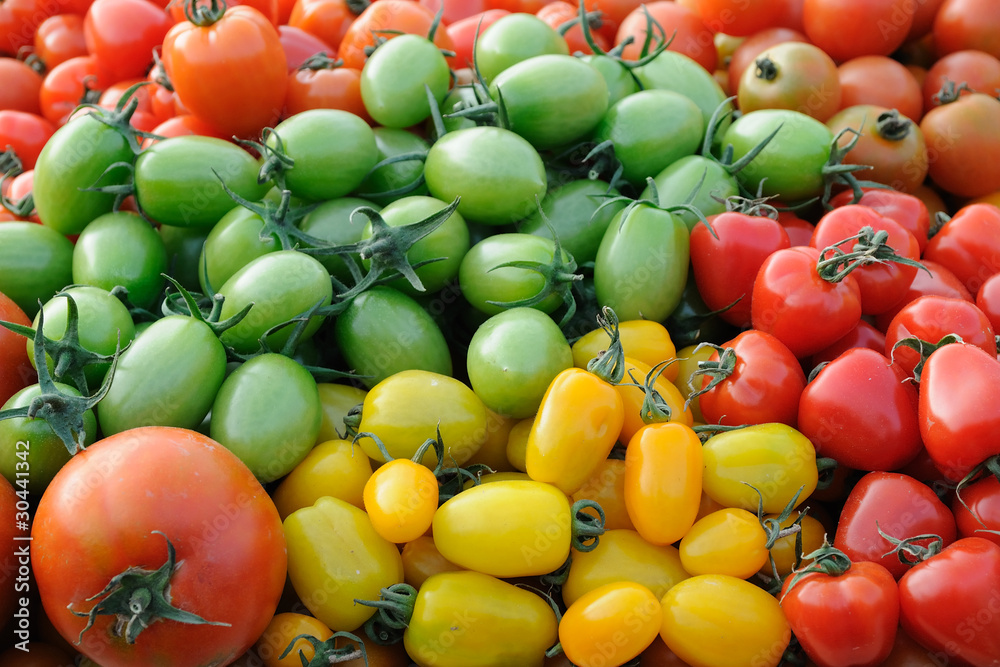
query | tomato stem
[827, 560]
[326, 652]
[587, 529]
[654, 408]
[892, 126]
[394, 609]
[718, 371]
[924, 349]
[765, 69]
[609, 365]
[871, 247]
[990, 466]
[908, 551]
[204, 16]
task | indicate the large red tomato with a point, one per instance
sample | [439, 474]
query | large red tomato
[124, 505]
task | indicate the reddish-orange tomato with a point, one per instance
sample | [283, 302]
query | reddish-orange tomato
[847, 29]
[793, 76]
[559, 12]
[121, 35]
[242, 48]
[963, 145]
[463, 33]
[65, 86]
[60, 38]
[694, 39]
[384, 19]
[180, 126]
[456, 10]
[300, 46]
[742, 18]
[882, 81]
[21, 85]
[752, 46]
[18, 21]
[892, 144]
[967, 24]
[326, 19]
[979, 71]
[26, 133]
[322, 84]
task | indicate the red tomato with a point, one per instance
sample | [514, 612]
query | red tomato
[327, 87]
[65, 85]
[16, 371]
[881, 81]
[950, 603]
[558, 12]
[181, 487]
[844, 618]
[882, 284]
[799, 230]
[977, 509]
[327, 20]
[761, 383]
[906, 209]
[300, 45]
[241, 48]
[930, 318]
[613, 12]
[988, 300]
[800, 308]
[463, 33]
[694, 39]
[18, 21]
[963, 146]
[860, 411]
[383, 19]
[902, 507]
[863, 335]
[269, 8]
[923, 18]
[742, 18]
[979, 71]
[890, 143]
[741, 245]
[751, 47]
[21, 86]
[968, 245]
[121, 35]
[456, 10]
[940, 282]
[60, 38]
[182, 125]
[847, 29]
[26, 133]
[967, 24]
[959, 416]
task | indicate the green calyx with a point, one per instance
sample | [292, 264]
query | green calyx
[989, 467]
[185, 303]
[908, 551]
[326, 652]
[827, 560]
[119, 118]
[924, 349]
[609, 365]
[654, 408]
[586, 528]
[320, 61]
[836, 172]
[11, 167]
[62, 412]
[393, 611]
[203, 15]
[870, 247]
[719, 370]
[280, 219]
[719, 114]
[137, 598]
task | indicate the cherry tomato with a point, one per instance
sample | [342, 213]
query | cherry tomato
[615, 622]
[792, 75]
[847, 29]
[966, 24]
[60, 38]
[123, 47]
[963, 152]
[966, 245]
[22, 85]
[694, 39]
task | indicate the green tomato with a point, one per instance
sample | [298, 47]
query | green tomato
[268, 413]
[701, 181]
[104, 323]
[514, 38]
[122, 249]
[333, 150]
[392, 142]
[551, 100]
[617, 77]
[35, 263]
[449, 242]
[176, 183]
[512, 359]
[642, 264]
[496, 172]
[394, 77]
[384, 332]
[651, 130]
[482, 282]
[233, 243]
[677, 72]
[572, 211]
[281, 285]
[183, 245]
[332, 221]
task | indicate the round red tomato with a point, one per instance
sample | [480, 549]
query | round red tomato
[21, 86]
[16, 371]
[26, 133]
[967, 24]
[963, 147]
[300, 46]
[694, 39]
[881, 81]
[121, 35]
[863, 335]
[979, 71]
[60, 38]
[742, 18]
[968, 245]
[847, 29]
[988, 299]
[939, 282]
[891, 144]
[383, 20]
[906, 209]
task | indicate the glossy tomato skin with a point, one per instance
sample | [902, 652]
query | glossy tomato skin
[35, 263]
[331, 468]
[967, 246]
[956, 418]
[396, 76]
[694, 38]
[957, 139]
[793, 303]
[863, 335]
[906, 209]
[207, 488]
[857, 28]
[123, 49]
[764, 387]
[793, 75]
[902, 506]
[891, 144]
[16, 369]
[616, 621]
[977, 509]
[26, 132]
[883, 81]
[571, 209]
[947, 601]
[848, 619]
[398, 16]
[860, 411]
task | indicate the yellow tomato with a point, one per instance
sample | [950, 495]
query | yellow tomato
[400, 498]
[730, 541]
[634, 397]
[332, 468]
[280, 632]
[517, 444]
[610, 625]
[421, 560]
[336, 400]
[493, 452]
[783, 549]
[606, 487]
[644, 340]
[687, 364]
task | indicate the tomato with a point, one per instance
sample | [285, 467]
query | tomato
[863, 335]
[468, 619]
[714, 620]
[805, 312]
[196, 57]
[34, 264]
[965, 245]
[558, 12]
[394, 78]
[464, 32]
[847, 615]
[773, 459]
[901, 506]
[332, 468]
[22, 85]
[512, 39]
[397, 179]
[892, 144]
[400, 498]
[704, 181]
[646, 147]
[384, 332]
[738, 18]
[18, 21]
[16, 368]
[846, 30]
[930, 318]
[752, 379]
[496, 172]
[422, 560]
[957, 74]
[66, 85]
[792, 75]
[965, 24]
[124, 50]
[957, 617]
[976, 509]
[988, 300]
[956, 140]
[784, 557]
[642, 340]
[755, 44]
[59, 38]
[506, 529]
[742, 241]
[906, 209]
[281, 285]
[325, 88]
[407, 408]
[941, 282]
[955, 418]
[217, 508]
[327, 20]
[283, 631]
[880, 81]
[334, 557]
[606, 487]
[860, 411]
[615, 622]
[232, 243]
[384, 20]
[694, 39]
[677, 72]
